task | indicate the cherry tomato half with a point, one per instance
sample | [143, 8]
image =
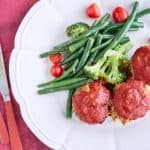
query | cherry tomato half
[93, 11]
[56, 58]
[120, 14]
[56, 70]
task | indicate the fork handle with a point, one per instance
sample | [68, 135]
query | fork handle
[15, 141]
[4, 138]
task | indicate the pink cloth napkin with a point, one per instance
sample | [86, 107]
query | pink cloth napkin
[11, 14]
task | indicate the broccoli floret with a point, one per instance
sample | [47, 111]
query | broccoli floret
[77, 29]
[107, 68]
[124, 48]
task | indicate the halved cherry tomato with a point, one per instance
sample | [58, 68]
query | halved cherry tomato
[93, 11]
[120, 14]
[56, 58]
[56, 70]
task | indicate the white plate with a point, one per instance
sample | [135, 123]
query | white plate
[43, 27]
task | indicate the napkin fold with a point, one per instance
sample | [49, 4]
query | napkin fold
[11, 15]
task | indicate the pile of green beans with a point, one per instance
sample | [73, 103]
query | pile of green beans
[87, 49]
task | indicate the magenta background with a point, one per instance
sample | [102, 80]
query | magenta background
[11, 15]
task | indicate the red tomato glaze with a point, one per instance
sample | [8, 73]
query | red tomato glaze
[141, 64]
[92, 106]
[131, 99]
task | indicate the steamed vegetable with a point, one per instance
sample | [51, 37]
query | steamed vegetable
[92, 53]
[56, 70]
[108, 66]
[56, 58]
[64, 88]
[69, 104]
[63, 46]
[77, 29]
[120, 34]
[66, 74]
[86, 54]
[93, 11]
[88, 33]
[120, 14]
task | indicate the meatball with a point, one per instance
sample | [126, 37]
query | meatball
[141, 64]
[90, 103]
[131, 99]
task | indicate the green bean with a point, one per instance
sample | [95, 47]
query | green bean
[93, 55]
[119, 25]
[124, 40]
[86, 53]
[65, 82]
[66, 55]
[73, 56]
[68, 87]
[101, 46]
[124, 29]
[112, 27]
[69, 104]
[79, 74]
[63, 46]
[142, 13]
[107, 36]
[95, 23]
[99, 39]
[77, 45]
[53, 51]
[67, 66]
[84, 35]
[137, 24]
[133, 29]
[66, 74]
[101, 53]
[104, 18]
[81, 43]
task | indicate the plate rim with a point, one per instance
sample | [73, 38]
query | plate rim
[12, 67]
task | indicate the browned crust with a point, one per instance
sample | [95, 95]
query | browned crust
[114, 115]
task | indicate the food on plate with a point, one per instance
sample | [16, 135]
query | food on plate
[140, 65]
[93, 11]
[66, 84]
[132, 99]
[108, 66]
[56, 70]
[120, 14]
[77, 29]
[90, 103]
[94, 53]
[56, 58]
